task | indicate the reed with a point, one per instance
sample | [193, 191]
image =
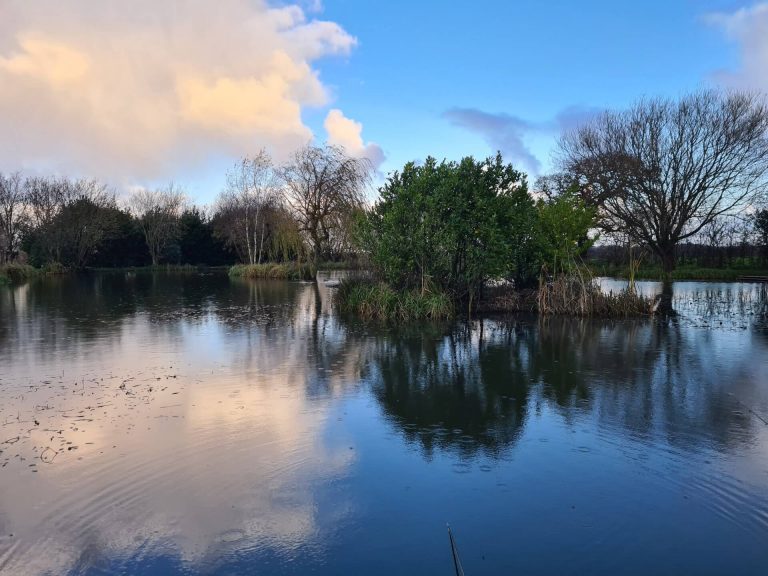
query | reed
[282, 271]
[577, 294]
[372, 300]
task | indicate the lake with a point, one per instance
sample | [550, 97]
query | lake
[158, 423]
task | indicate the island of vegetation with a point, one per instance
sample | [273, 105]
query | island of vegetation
[668, 189]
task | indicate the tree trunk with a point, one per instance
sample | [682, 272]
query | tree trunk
[663, 304]
[668, 260]
[261, 244]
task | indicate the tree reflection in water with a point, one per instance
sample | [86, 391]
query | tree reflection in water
[470, 389]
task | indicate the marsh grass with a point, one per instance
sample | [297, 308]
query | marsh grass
[569, 294]
[16, 273]
[372, 300]
[576, 293]
[288, 271]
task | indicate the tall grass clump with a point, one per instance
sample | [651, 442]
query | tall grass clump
[576, 293]
[54, 269]
[15, 273]
[373, 300]
[285, 271]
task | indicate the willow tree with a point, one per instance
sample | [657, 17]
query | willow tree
[664, 169]
[321, 185]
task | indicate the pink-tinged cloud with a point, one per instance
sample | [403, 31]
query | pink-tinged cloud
[146, 89]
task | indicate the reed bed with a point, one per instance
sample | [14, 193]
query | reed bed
[567, 295]
[283, 271]
[372, 300]
[575, 294]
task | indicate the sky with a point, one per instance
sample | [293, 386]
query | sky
[144, 92]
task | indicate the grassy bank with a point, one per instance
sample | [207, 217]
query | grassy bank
[682, 272]
[288, 271]
[377, 301]
[16, 273]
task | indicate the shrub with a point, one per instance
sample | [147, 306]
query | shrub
[14, 273]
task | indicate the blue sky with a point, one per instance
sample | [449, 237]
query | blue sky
[144, 92]
[531, 60]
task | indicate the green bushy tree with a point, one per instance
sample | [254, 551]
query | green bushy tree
[564, 222]
[452, 225]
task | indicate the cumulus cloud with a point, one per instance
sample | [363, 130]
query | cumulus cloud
[343, 131]
[748, 27]
[508, 133]
[143, 89]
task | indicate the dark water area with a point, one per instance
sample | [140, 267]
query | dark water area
[194, 424]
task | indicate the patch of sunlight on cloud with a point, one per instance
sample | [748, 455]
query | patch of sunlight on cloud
[347, 133]
[143, 90]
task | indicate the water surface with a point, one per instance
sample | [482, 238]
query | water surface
[193, 424]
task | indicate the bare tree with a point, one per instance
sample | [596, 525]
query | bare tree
[12, 215]
[158, 212]
[713, 236]
[551, 186]
[252, 190]
[665, 169]
[321, 186]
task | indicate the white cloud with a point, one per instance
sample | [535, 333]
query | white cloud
[145, 89]
[343, 131]
[748, 28]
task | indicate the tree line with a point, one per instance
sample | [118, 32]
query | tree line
[300, 210]
[661, 178]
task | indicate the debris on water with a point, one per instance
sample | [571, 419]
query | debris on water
[56, 417]
[48, 455]
[231, 536]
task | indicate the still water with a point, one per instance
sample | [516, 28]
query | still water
[193, 424]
